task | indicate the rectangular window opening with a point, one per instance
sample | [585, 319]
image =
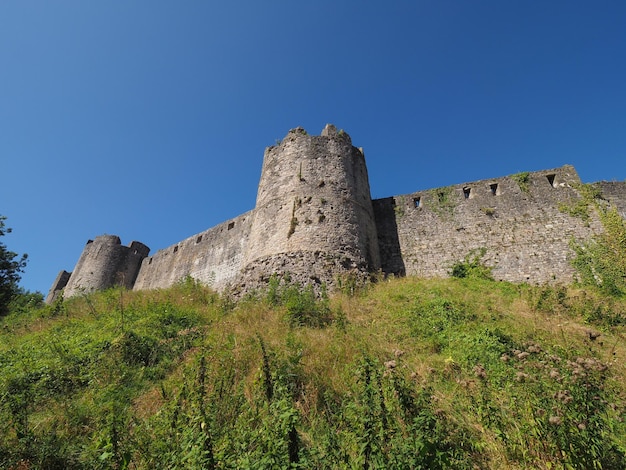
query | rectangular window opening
[494, 188]
[467, 192]
[175, 249]
[417, 202]
[551, 180]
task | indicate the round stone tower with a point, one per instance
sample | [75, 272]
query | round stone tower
[105, 263]
[314, 218]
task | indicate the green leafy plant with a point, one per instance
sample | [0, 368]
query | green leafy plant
[590, 194]
[398, 208]
[293, 223]
[442, 201]
[472, 266]
[11, 267]
[523, 180]
[424, 373]
[601, 261]
[304, 307]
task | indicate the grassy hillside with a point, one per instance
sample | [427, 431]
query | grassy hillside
[406, 373]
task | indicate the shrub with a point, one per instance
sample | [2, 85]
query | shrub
[523, 180]
[601, 261]
[472, 266]
[304, 306]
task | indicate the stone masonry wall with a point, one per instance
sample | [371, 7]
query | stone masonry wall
[57, 286]
[314, 220]
[516, 219]
[213, 257]
[314, 217]
[615, 194]
[104, 263]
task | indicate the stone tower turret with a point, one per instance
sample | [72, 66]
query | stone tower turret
[105, 263]
[313, 217]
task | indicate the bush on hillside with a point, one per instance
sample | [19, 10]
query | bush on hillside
[601, 261]
[472, 266]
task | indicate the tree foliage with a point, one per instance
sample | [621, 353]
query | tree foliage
[11, 266]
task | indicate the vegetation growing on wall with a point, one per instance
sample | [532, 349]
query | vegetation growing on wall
[490, 211]
[472, 266]
[523, 180]
[293, 222]
[441, 201]
[590, 194]
[601, 261]
[398, 207]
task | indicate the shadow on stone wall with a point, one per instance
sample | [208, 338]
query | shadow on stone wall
[391, 261]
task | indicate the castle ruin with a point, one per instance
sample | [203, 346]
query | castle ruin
[315, 221]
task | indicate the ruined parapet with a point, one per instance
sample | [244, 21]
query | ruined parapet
[213, 257]
[313, 218]
[315, 222]
[105, 263]
[614, 193]
[57, 286]
[522, 221]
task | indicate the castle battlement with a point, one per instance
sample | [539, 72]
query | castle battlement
[315, 220]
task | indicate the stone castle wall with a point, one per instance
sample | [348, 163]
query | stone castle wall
[314, 215]
[315, 220]
[615, 194]
[213, 257]
[104, 262]
[519, 220]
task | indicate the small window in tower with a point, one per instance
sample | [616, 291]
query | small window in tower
[231, 225]
[494, 188]
[467, 192]
[199, 239]
[551, 180]
[175, 248]
[417, 202]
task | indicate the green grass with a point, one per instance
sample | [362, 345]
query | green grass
[406, 373]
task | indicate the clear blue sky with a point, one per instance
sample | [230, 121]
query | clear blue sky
[148, 119]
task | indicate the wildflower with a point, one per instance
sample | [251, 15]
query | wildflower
[555, 420]
[480, 372]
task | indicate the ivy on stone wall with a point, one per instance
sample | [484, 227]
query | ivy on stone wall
[590, 194]
[442, 201]
[601, 261]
